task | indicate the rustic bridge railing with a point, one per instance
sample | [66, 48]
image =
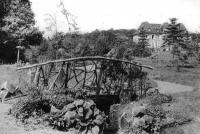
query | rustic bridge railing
[99, 75]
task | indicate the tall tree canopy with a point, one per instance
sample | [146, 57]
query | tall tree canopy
[176, 38]
[141, 47]
[19, 21]
[143, 41]
[175, 34]
[4, 4]
[17, 24]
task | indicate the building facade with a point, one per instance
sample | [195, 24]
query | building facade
[154, 34]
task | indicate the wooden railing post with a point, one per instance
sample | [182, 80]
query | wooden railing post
[98, 79]
[36, 78]
[67, 74]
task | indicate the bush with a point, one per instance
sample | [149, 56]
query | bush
[140, 52]
[59, 100]
[149, 116]
[135, 118]
[61, 97]
[31, 105]
[25, 108]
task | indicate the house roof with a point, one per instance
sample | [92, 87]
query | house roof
[150, 27]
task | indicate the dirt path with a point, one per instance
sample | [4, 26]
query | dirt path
[192, 128]
[7, 123]
[171, 88]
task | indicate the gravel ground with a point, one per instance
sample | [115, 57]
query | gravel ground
[171, 88]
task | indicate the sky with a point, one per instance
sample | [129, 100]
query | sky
[118, 14]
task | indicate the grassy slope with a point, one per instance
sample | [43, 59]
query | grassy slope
[161, 71]
[9, 73]
[186, 104]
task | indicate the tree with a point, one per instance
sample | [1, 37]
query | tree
[62, 45]
[141, 48]
[71, 19]
[20, 19]
[174, 38]
[52, 24]
[4, 4]
[34, 38]
[18, 28]
[195, 37]
[103, 41]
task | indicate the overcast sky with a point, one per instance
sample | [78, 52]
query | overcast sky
[119, 14]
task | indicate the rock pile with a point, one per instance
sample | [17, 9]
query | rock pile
[80, 115]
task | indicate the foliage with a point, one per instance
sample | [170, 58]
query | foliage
[141, 48]
[20, 19]
[175, 33]
[193, 49]
[117, 70]
[128, 33]
[175, 39]
[103, 41]
[144, 117]
[60, 98]
[140, 120]
[27, 108]
[34, 104]
[34, 37]
[70, 43]
[81, 115]
[8, 52]
[17, 28]
[195, 37]
[96, 43]
[4, 10]
[3, 35]
[137, 50]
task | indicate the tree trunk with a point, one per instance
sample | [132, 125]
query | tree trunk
[18, 50]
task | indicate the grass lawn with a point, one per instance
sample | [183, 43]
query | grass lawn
[161, 71]
[9, 73]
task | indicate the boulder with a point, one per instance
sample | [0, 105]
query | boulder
[7, 89]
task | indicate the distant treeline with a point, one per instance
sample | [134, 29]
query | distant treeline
[74, 44]
[96, 43]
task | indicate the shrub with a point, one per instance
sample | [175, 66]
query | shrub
[149, 116]
[141, 52]
[26, 108]
[31, 105]
[59, 100]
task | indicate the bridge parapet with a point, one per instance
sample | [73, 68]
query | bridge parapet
[98, 75]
